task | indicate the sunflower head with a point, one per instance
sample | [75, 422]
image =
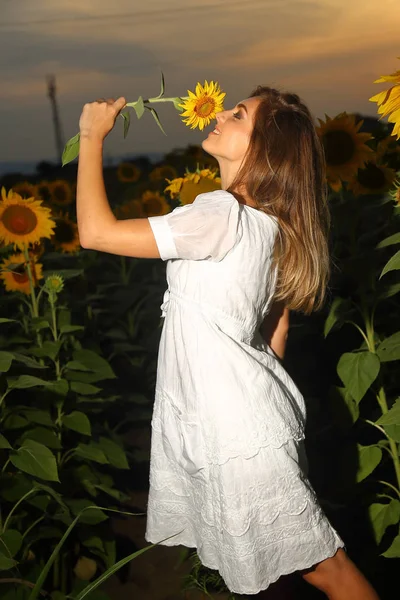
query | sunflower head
[372, 178]
[25, 189]
[163, 172]
[128, 172]
[23, 222]
[193, 184]
[43, 191]
[388, 101]
[61, 192]
[345, 148]
[202, 106]
[14, 273]
[154, 204]
[66, 236]
[54, 284]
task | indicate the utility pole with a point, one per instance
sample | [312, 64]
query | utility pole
[51, 89]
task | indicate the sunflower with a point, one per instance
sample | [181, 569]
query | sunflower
[14, 273]
[395, 192]
[154, 204]
[193, 184]
[163, 172]
[25, 189]
[61, 192]
[130, 210]
[388, 101]
[388, 151]
[128, 172]
[372, 178]
[201, 107]
[23, 222]
[345, 148]
[43, 191]
[66, 236]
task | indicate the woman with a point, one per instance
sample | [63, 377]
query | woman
[228, 471]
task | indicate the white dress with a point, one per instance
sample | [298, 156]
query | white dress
[228, 472]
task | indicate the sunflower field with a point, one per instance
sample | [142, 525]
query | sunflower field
[79, 333]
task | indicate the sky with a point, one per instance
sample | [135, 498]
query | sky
[329, 52]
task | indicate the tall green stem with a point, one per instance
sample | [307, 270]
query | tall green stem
[381, 395]
[35, 306]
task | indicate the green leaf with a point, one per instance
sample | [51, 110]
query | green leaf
[176, 102]
[104, 576]
[392, 265]
[127, 121]
[390, 291]
[358, 370]
[94, 362]
[28, 361]
[6, 359]
[93, 542]
[156, 117]
[3, 442]
[333, 315]
[10, 542]
[14, 421]
[27, 381]
[71, 328]
[39, 323]
[71, 149]
[394, 550]
[369, 458]
[86, 389]
[91, 516]
[161, 94]
[41, 417]
[77, 421]
[383, 515]
[43, 435]
[4, 320]
[6, 563]
[91, 452]
[37, 460]
[389, 348]
[114, 453]
[393, 431]
[138, 106]
[392, 417]
[74, 365]
[49, 349]
[61, 387]
[392, 239]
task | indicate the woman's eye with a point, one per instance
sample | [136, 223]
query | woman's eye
[237, 115]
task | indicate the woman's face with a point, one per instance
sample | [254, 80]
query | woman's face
[231, 136]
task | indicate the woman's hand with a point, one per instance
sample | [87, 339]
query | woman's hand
[98, 118]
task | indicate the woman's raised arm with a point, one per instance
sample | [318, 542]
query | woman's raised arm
[98, 227]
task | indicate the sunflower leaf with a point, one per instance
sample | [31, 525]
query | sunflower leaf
[138, 107]
[127, 121]
[71, 149]
[392, 264]
[161, 94]
[156, 117]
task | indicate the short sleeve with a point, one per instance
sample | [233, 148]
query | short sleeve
[205, 229]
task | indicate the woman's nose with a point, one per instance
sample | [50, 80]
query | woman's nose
[220, 116]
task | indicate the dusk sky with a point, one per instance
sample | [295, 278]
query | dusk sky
[327, 51]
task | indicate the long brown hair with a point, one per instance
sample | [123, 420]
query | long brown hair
[283, 172]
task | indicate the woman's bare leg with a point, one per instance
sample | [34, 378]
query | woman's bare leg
[339, 578]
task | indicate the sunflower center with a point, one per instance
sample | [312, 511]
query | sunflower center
[64, 232]
[339, 147]
[204, 106]
[20, 275]
[153, 205]
[19, 219]
[371, 177]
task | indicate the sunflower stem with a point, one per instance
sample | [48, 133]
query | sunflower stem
[35, 310]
